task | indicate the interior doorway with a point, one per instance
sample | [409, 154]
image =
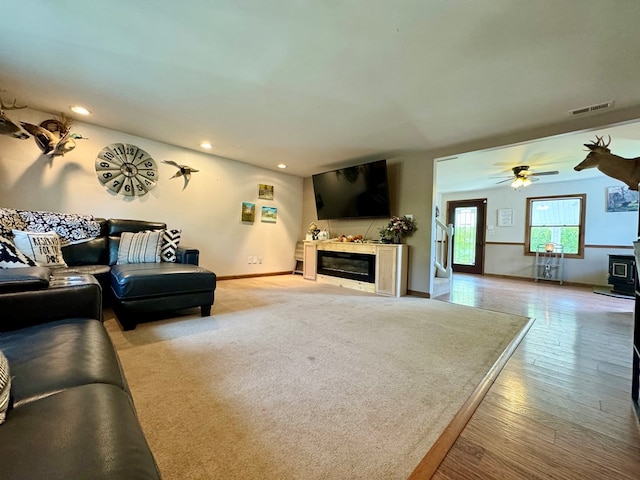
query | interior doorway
[468, 218]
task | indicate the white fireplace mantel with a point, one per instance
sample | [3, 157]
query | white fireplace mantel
[391, 262]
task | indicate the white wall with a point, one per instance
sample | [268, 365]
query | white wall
[208, 210]
[604, 231]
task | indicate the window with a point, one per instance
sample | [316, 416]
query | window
[558, 219]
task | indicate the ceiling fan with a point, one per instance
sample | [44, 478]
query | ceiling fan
[523, 177]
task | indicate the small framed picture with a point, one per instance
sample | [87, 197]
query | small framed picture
[265, 192]
[248, 212]
[505, 217]
[269, 214]
[621, 199]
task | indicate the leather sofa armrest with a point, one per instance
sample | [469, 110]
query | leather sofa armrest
[78, 296]
[187, 255]
[23, 279]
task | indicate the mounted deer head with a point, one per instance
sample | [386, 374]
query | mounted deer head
[8, 126]
[626, 170]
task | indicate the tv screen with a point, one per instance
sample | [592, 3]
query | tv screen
[361, 191]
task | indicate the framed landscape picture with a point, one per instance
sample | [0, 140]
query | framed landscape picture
[621, 199]
[265, 192]
[248, 212]
[269, 214]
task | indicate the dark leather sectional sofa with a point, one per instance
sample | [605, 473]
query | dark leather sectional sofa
[71, 414]
[139, 291]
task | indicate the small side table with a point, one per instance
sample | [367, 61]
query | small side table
[549, 262]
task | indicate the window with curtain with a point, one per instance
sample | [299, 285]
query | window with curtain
[558, 219]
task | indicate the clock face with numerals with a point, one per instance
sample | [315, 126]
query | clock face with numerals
[126, 169]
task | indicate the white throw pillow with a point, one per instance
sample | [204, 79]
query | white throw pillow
[5, 386]
[141, 247]
[41, 247]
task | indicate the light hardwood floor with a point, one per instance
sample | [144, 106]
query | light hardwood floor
[561, 408]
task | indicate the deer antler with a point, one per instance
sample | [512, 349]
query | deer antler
[600, 142]
[10, 107]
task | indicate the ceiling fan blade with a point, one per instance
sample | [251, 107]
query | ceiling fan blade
[510, 179]
[539, 174]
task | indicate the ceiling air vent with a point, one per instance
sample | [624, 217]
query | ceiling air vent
[592, 108]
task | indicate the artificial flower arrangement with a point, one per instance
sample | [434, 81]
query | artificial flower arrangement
[396, 229]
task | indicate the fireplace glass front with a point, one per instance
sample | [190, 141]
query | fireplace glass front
[354, 266]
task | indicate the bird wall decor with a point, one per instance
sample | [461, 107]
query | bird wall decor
[54, 137]
[8, 126]
[184, 171]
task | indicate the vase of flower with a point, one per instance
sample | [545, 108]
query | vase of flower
[397, 229]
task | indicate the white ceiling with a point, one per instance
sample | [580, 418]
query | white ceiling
[321, 84]
[477, 170]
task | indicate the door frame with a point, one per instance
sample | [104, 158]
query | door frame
[481, 220]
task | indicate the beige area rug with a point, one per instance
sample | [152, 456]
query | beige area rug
[290, 379]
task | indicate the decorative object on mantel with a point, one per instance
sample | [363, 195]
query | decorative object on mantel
[350, 238]
[8, 126]
[626, 170]
[313, 231]
[184, 171]
[126, 169]
[397, 229]
[54, 137]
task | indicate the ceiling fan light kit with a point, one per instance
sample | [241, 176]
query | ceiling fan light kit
[523, 177]
[520, 182]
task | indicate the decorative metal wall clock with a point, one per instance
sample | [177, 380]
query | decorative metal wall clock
[126, 169]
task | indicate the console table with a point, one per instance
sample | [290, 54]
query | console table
[371, 267]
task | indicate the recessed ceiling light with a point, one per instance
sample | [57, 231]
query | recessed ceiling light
[79, 110]
[282, 165]
[206, 145]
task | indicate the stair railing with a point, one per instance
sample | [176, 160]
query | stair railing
[444, 249]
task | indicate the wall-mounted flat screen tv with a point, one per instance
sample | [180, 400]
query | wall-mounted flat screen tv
[361, 191]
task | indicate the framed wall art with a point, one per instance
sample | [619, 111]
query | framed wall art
[248, 212]
[265, 192]
[505, 217]
[621, 199]
[269, 214]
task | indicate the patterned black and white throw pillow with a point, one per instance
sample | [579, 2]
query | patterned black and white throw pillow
[5, 386]
[169, 246]
[11, 257]
[70, 227]
[10, 219]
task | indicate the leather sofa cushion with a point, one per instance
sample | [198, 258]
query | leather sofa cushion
[159, 279]
[22, 279]
[67, 297]
[89, 431]
[92, 252]
[50, 357]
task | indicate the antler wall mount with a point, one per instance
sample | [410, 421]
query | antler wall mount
[626, 170]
